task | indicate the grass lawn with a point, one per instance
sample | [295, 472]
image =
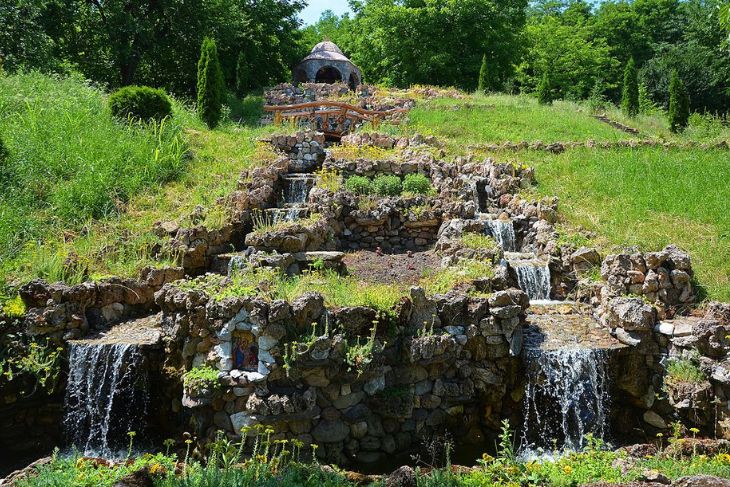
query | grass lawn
[500, 118]
[648, 197]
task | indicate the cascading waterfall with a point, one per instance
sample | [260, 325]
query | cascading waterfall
[279, 215]
[503, 232]
[297, 188]
[106, 397]
[534, 279]
[566, 398]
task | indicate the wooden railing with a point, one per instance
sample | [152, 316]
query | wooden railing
[324, 114]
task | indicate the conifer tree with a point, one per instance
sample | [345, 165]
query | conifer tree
[678, 104]
[630, 93]
[545, 90]
[210, 84]
[483, 83]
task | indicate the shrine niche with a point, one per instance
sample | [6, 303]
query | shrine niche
[245, 351]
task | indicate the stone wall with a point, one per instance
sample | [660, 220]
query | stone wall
[385, 141]
[446, 360]
[305, 150]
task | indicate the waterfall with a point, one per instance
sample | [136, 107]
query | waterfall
[504, 233]
[534, 279]
[279, 215]
[106, 397]
[566, 397]
[297, 188]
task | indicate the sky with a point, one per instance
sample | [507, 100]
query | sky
[311, 13]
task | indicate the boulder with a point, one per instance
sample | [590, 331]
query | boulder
[330, 431]
[631, 314]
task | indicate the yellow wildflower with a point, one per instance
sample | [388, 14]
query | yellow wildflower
[567, 469]
[157, 469]
[487, 458]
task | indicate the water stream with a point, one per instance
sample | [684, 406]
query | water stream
[503, 232]
[534, 279]
[297, 187]
[106, 397]
[566, 398]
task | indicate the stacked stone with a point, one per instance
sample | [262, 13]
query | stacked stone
[289, 94]
[304, 149]
[664, 277]
[559, 147]
[455, 363]
[385, 141]
[61, 312]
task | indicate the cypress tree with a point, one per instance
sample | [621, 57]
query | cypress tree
[210, 84]
[678, 104]
[483, 83]
[545, 90]
[630, 93]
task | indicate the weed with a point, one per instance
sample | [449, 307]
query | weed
[466, 271]
[478, 241]
[200, 379]
[683, 370]
[329, 180]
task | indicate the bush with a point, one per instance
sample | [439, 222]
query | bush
[210, 84]
[416, 183]
[359, 185]
[630, 94]
[141, 103]
[387, 185]
[678, 104]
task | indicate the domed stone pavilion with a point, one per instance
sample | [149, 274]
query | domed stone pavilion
[327, 64]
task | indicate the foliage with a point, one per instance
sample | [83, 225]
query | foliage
[630, 93]
[329, 180]
[69, 162]
[387, 185]
[359, 355]
[433, 41]
[466, 271]
[417, 184]
[140, 102]
[678, 104]
[210, 84]
[471, 240]
[545, 89]
[683, 370]
[483, 84]
[151, 43]
[359, 185]
[200, 379]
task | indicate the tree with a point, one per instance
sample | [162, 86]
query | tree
[678, 104]
[441, 42]
[545, 90]
[210, 84]
[630, 93]
[482, 87]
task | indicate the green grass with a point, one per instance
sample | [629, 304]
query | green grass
[486, 119]
[648, 197]
[86, 191]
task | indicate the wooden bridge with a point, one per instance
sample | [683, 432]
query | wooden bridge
[333, 118]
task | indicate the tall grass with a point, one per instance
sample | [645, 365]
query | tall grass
[69, 161]
[145, 174]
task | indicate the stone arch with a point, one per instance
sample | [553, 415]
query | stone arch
[354, 81]
[328, 74]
